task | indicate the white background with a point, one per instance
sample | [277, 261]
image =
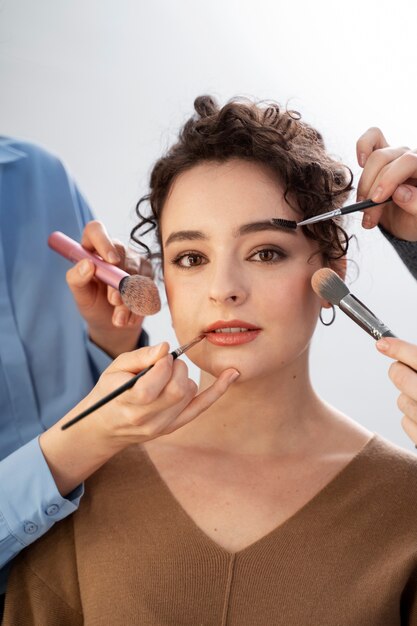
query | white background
[105, 85]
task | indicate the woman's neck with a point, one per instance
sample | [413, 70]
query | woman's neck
[266, 416]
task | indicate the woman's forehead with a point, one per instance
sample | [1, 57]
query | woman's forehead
[235, 191]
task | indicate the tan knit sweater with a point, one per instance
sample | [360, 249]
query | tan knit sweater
[132, 556]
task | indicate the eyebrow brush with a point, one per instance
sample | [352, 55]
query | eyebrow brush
[350, 208]
[129, 384]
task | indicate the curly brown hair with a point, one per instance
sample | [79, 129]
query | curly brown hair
[261, 132]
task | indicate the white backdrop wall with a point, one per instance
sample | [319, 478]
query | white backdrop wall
[105, 85]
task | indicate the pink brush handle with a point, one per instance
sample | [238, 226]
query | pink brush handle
[71, 250]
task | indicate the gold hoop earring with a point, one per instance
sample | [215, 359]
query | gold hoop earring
[333, 316]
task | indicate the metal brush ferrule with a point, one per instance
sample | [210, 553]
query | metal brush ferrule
[186, 346]
[364, 317]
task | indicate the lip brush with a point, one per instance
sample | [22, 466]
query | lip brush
[129, 384]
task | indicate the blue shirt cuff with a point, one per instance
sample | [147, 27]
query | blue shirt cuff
[30, 502]
[99, 358]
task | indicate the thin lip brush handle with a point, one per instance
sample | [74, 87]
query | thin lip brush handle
[97, 405]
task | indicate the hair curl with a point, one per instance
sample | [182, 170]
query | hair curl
[261, 132]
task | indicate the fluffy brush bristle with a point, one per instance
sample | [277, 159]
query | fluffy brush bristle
[140, 294]
[328, 285]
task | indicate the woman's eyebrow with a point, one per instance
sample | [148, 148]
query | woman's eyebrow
[185, 235]
[252, 227]
[255, 227]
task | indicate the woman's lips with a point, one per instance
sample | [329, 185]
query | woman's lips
[232, 339]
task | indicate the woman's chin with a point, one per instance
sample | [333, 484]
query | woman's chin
[213, 365]
[246, 371]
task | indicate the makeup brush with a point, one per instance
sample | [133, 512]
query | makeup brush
[139, 293]
[175, 354]
[328, 285]
[279, 222]
[350, 208]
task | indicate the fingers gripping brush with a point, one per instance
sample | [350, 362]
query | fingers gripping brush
[129, 384]
[327, 285]
[139, 293]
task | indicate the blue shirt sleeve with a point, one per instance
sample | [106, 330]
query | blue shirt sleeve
[30, 502]
[47, 362]
[46, 365]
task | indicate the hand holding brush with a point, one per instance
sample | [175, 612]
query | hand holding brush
[389, 173]
[403, 373]
[139, 293]
[127, 385]
[112, 325]
[163, 400]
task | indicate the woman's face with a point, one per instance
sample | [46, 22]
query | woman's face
[219, 269]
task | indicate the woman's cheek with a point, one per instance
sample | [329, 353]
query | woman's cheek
[182, 317]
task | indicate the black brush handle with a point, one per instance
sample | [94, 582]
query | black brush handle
[359, 206]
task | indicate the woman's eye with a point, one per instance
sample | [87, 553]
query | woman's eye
[189, 259]
[268, 255]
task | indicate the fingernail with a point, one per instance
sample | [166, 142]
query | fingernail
[377, 195]
[360, 199]
[84, 268]
[233, 376]
[113, 257]
[362, 159]
[382, 345]
[366, 221]
[120, 319]
[403, 193]
[114, 298]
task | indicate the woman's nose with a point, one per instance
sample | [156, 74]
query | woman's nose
[226, 286]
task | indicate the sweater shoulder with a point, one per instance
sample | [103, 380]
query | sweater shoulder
[51, 560]
[381, 452]
[389, 468]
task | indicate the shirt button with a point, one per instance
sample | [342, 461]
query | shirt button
[30, 528]
[52, 509]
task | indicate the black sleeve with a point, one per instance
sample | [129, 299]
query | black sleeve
[406, 250]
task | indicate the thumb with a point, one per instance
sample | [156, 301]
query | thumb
[405, 196]
[80, 281]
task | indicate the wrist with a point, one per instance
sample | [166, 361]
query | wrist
[75, 454]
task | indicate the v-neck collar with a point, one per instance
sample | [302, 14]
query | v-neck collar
[330, 486]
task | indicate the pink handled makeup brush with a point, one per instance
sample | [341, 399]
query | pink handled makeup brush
[139, 293]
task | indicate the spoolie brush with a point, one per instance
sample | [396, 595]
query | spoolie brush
[139, 293]
[329, 286]
[279, 222]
